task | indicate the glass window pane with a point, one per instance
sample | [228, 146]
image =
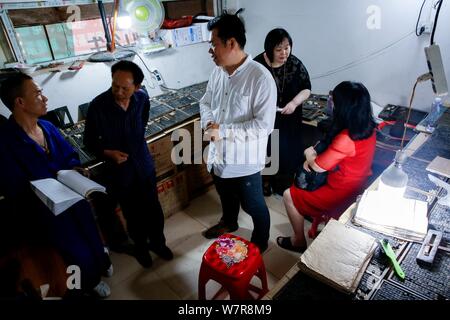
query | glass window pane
[6, 52]
[83, 37]
[87, 36]
[67, 40]
[34, 44]
[61, 40]
[126, 38]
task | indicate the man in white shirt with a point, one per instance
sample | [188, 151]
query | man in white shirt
[238, 114]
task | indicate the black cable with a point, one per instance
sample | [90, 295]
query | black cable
[435, 22]
[101, 8]
[239, 11]
[418, 19]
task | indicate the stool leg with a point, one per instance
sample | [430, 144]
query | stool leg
[312, 232]
[263, 276]
[240, 292]
[218, 293]
[202, 280]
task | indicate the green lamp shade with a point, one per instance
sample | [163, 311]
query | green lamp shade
[146, 15]
[142, 13]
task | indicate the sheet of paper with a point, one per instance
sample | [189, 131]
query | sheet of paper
[399, 217]
[78, 182]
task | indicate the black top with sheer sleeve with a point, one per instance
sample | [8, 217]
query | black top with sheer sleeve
[291, 78]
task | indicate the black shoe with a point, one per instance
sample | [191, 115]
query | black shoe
[126, 247]
[285, 243]
[218, 230]
[143, 257]
[162, 251]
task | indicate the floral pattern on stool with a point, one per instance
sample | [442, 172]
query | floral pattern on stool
[231, 250]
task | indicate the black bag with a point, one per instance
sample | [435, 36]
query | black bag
[311, 180]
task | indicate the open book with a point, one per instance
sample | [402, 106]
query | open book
[401, 218]
[67, 189]
[338, 256]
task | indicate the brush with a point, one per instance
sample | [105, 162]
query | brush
[387, 249]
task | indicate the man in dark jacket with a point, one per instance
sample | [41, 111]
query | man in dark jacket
[115, 132]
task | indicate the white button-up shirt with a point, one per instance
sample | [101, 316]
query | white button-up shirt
[244, 106]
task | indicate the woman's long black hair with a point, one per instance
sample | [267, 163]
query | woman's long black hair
[352, 111]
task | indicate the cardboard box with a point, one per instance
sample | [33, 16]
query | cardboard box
[160, 150]
[198, 179]
[195, 140]
[182, 36]
[173, 194]
[206, 34]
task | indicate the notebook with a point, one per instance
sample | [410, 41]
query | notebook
[339, 256]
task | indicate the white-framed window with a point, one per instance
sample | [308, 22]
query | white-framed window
[45, 34]
[38, 32]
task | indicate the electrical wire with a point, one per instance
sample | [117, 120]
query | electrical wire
[147, 68]
[418, 19]
[435, 22]
[168, 89]
[361, 60]
[152, 86]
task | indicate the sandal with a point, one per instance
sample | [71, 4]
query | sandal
[285, 243]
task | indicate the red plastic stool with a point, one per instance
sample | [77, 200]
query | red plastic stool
[236, 278]
[334, 213]
[312, 232]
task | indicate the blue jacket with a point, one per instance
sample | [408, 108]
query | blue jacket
[23, 160]
[24, 217]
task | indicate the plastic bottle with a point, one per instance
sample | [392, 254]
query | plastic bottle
[434, 114]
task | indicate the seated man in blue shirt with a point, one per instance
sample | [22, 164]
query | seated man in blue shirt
[32, 149]
[115, 132]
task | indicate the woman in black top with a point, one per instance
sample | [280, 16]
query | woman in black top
[293, 87]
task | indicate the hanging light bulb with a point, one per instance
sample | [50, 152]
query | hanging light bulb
[393, 180]
[124, 21]
[123, 16]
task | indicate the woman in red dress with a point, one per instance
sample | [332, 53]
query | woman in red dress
[348, 160]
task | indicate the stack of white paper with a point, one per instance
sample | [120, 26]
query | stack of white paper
[398, 217]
